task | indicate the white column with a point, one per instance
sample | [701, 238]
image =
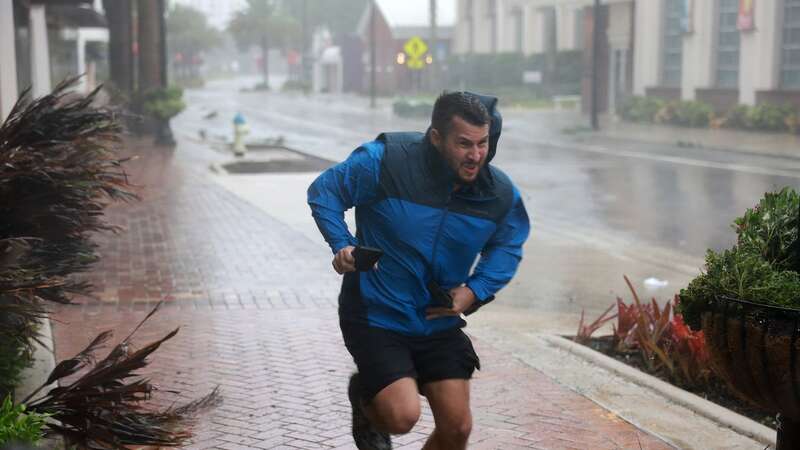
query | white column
[759, 54]
[565, 27]
[8, 59]
[80, 42]
[698, 50]
[537, 31]
[500, 29]
[647, 50]
[461, 35]
[40, 53]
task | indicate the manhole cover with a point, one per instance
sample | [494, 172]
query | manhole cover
[283, 160]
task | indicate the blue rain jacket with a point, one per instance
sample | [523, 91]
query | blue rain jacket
[402, 190]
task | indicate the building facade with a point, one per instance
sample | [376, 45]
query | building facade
[722, 52]
[518, 26]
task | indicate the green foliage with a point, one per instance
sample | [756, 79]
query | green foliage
[692, 113]
[163, 103]
[189, 33]
[738, 117]
[641, 109]
[263, 23]
[412, 108]
[770, 228]
[296, 85]
[339, 16]
[561, 75]
[761, 267]
[685, 114]
[768, 117]
[15, 356]
[18, 425]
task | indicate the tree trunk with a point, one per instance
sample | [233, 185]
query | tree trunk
[120, 55]
[265, 59]
[149, 45]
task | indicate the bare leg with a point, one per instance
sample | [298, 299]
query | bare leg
[396, 408]
[449, 400]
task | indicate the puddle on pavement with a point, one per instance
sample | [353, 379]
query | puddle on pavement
[274, 159]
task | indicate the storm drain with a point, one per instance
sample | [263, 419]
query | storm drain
[271, 159]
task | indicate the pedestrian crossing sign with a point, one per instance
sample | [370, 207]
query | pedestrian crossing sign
[415, 48]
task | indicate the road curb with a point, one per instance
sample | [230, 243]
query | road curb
[705, 408]
[43, 362]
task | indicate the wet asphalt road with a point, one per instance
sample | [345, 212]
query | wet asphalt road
[601, 208]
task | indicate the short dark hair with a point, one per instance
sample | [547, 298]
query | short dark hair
[462, 104]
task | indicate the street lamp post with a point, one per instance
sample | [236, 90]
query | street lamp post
[372, 54]
[595, 62]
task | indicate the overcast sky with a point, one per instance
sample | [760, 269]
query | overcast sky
[397, 12]
[415, 12]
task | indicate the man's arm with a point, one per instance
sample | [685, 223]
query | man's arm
[502, 254]
[347, 184]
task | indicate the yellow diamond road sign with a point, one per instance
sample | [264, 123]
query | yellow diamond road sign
[415, 48]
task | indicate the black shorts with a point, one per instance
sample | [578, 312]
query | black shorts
[383, 357]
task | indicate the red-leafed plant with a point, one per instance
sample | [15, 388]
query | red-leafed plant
[585, 331]
[661, 338]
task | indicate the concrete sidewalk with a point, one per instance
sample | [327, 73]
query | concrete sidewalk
[751, 142]
[256, 300]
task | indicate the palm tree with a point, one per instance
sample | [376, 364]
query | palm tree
[262, 23]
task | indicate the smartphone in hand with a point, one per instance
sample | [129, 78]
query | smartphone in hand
[366, 257]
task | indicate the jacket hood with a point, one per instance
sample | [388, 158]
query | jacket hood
[496, 127]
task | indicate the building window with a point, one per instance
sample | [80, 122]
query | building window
[468, 10]
[728, 45]
[790, 55]
[491, 8]
[672, 57]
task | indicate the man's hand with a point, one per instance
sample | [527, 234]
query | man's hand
[344, 261]
[463, 298]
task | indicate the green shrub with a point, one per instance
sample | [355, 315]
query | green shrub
[412, 108]
[164, 103]
[296, 85]
[760, 268]
[769, 117]
[561, 73]
[19, 426]
[692, 113]
[738, 117]
[641, 109]
[15, 356]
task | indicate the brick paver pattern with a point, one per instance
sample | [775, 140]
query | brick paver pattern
[256, 303]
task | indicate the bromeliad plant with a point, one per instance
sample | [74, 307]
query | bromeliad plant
[664, 343]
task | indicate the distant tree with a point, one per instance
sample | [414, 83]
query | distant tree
[340, 16]
[188, 36]
[263, 23]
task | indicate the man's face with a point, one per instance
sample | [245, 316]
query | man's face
[464, 148]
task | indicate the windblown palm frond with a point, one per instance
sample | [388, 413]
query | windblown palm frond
[102, 408]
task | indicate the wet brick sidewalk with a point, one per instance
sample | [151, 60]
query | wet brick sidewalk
[255, 301]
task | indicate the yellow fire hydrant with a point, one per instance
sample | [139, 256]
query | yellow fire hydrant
[240, 130]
